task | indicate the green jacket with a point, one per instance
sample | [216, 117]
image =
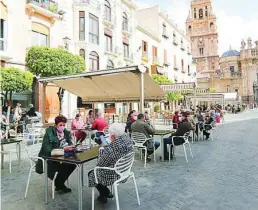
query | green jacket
[50, 141]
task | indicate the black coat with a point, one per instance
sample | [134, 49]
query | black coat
[183, 127]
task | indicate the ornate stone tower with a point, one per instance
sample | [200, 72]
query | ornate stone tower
[201, 27]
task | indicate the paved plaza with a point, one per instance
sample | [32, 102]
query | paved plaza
[223, 175]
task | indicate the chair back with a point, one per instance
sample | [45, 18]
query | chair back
[123, 165]
[106, 131]
[138, 138]
[186, 135]
[33, 151]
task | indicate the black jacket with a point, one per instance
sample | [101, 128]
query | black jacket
[32, 112]
[183, 127]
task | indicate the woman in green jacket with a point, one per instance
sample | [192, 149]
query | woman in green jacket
[57, 137]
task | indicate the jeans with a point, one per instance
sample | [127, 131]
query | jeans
[177, 141]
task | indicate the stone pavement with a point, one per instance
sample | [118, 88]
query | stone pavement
[222, 175]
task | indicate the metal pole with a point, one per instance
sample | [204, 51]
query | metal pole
[142, 93]
[194, 97]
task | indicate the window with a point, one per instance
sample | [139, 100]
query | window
[165, 57]
[81, 25]
[175, 64]
[94, 29]
[164, 29]
[201, 51]
[188, 70]
[107, 11]
[182, 65]
[2, 35]
[211, 25]
[194, 12]
[108, 43]
[125, 22]
[82, 53]
[200, 13]
[144, 49]
[110, 64]
[39, 39]
[126, 50]
[154, 53]
[189, 28]
[94, 61]
[232, 70]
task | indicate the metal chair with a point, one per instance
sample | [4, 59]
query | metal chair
[186, 141]
[139, 140]
[123, 169]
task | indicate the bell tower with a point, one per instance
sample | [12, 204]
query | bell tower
[201, 28]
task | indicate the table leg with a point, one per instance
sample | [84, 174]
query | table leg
[2, 157]
[162, 147]
[46, 182]
[82, 175]
[19, 152]
[79, 181]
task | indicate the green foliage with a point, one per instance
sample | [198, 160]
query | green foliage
[174, 96]
[161, 80]
[15, 80]
[212, 90]
[45, 61]
[52, 8]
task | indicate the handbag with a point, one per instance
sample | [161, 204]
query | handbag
[57, 152]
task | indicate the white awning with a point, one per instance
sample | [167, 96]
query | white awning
[114, 85]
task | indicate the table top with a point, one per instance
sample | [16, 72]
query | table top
[162, 132]
[79, 158]
[10, 141]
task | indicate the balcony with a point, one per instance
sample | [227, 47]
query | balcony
[111, 49]
[93, 38]
[182, 47]
[188, 51]
[165, 36]
[176, 68]
[183, 71]
[109, 20]
[166, 63]
[90, 3]
[49, 5]
[82, 36]
[233, 75]
[175, 42]
[126, 29]
[145, 56]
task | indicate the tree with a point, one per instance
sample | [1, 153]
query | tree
[174, 96]
[15, 80]
[45, 62]
[161, 79]
[212, 90]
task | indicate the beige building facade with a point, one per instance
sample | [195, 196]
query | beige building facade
[201, 28]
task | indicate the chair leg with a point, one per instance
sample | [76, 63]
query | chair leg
[10, 163]
[185, 154]
[136, 190]
[28, 182]
[154, 155]
[53, 186]
[145, 158]
[190, 150]
[92, 198]
[116, 195]
[169, 152]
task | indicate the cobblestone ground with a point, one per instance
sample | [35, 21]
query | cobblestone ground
[222, 175]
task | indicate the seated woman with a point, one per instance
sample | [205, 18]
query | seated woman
[120, 145]
[207, 126]
[57, 137]
[77, 124]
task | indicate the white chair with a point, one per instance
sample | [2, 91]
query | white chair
[139, 140]
[185, 137]
[123, 169]
[211, 131]
[33, 151]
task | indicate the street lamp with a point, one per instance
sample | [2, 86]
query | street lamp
[66, 42]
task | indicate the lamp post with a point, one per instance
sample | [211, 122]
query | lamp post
[66, 42]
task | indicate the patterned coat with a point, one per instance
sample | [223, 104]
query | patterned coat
[108, 158]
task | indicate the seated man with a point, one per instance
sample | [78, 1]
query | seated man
[77, 124]
[142, 127]
[183, 127]
[99, 124]
[120, 145]
[207, 126]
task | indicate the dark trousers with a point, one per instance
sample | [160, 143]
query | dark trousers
[64, 171]
[177, 141]
[206, 130]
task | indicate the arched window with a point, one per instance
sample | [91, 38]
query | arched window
[110, 64]
[94, 61]
[164, 29]
[189, 28]
[194, 12]
[107, 11]
[82, 53]
[200, 13]
[211, 25]
[125, 22]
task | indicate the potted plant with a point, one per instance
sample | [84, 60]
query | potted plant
[52, 8]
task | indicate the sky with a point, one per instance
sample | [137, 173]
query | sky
[236, 19]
